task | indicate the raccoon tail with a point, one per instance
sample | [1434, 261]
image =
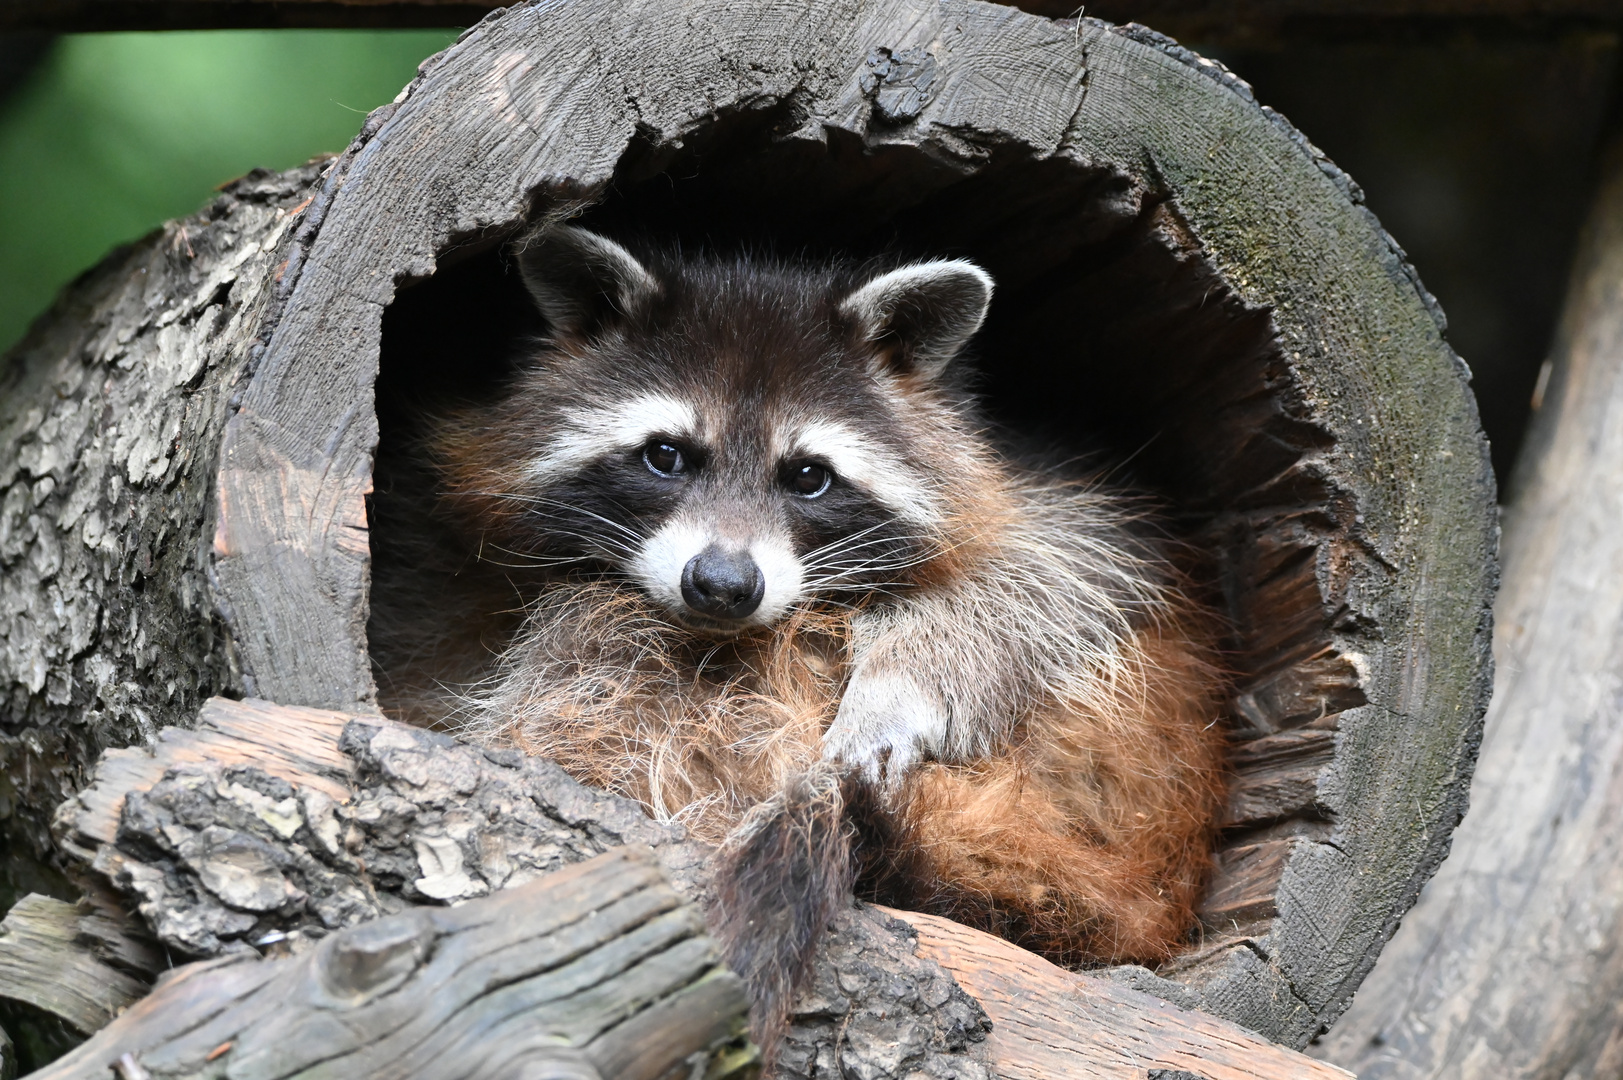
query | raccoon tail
[779, 878]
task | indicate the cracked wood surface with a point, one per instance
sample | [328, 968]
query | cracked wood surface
[600, 970]
[222, 854]
[45, 962]
[1048, 1022]
[274, 827]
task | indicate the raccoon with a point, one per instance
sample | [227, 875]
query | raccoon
[760, 566]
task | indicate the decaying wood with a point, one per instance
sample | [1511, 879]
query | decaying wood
[223, 855]
[45, 962]
[110, 417]
[1512, 965]
[272, 823]
[1048, 1022]
[272, 827]
[598, 970]
[1162, 244]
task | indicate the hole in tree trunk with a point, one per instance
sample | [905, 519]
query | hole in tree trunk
[1110, 335]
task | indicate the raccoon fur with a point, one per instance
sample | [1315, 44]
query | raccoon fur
[754, 561]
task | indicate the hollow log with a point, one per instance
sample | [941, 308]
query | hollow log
[1511, 966]
[1183, 281]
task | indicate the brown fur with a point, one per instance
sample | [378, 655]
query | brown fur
[1085, 834]
[993, 673]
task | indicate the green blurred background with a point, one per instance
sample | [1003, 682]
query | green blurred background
[107, 135]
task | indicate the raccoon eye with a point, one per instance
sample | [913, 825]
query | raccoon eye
[664, 459]
[807, 479]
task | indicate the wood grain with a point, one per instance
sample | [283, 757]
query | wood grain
[299, 745]
[1249, 21]
[44, 963]
[598, 970]
[1511, 967]
[1049, 1022]
[1277, 776]
[348, 822]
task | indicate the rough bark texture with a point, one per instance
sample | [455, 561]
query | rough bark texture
[1511, 966]
[1180, 273]
[600, 970]
[110, 415]
[225, 848]
[274, 827]
[352, 818]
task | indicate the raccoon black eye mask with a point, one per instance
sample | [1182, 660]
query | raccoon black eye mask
[784, 585]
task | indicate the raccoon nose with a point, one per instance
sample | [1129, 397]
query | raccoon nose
[722, 584]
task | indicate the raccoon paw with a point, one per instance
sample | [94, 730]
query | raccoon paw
[885, 725]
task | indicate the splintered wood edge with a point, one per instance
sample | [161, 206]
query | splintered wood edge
[44, 963]
[1049, 1022]
[296, 744]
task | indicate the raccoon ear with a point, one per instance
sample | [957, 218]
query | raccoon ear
[581, 280]
[924, 313]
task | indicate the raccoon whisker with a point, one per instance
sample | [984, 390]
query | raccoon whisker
[531, 562]
[908, 559]
[836, 544]
[849, 544]
[837, 571]
[542, 500]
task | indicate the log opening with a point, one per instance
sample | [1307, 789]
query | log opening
[1112, 336]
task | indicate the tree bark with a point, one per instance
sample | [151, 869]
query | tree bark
[111, 411]
[1511, 966]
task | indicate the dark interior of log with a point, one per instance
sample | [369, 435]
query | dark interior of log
[1111, 335]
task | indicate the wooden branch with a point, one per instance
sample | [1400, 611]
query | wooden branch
[1048, 1022]
[1511, 967]
[362, 817]
[277, 823]
[44, 962]
[598, 970]
[272, 826]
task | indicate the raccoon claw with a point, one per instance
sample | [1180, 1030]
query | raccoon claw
[883, 729]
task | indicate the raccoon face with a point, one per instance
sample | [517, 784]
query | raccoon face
[737, 437]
